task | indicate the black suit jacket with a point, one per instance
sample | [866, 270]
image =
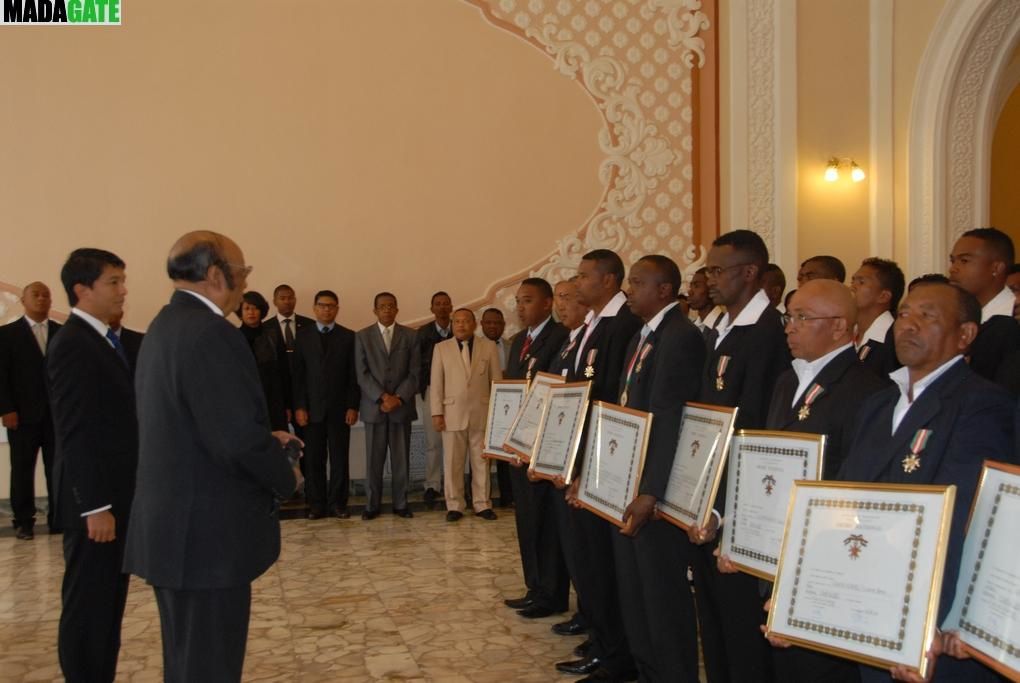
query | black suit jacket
[668, 377]
[209, 471]
[324, 381]
[971, 420]
[275, 337]
[998, 337]
[95, 428]
[846, 384]
[543, 349]
[23, 372]
[880, 357]
[132, 342]
[563, 360]
[426, 338]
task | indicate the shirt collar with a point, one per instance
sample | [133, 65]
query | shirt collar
[280, 318]
[1001, 304]
[576, 331]
[96, 324]
[32, 323]
[324, 327]
[383, 328]
[807, 370]
[533, 332]
[752, 311]
[613, 307]
[878, 329]
[212, 307]
[654, 323]
[444, 332]
[902, 378]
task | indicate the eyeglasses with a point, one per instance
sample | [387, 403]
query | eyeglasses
[240, 268]
[716, 271]
[320, 304]
[800, 318]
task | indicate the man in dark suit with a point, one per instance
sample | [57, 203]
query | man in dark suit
[130, 339]
[980, 264]
[747, 352]
[704, 313]
[282, 331]
[600, 359]
[662, 373]
[428, 335]
[877, 288]
[326, 399]
[92, 395]
[387, 365]
[820, 267]
[205, 520]
[531, 351]
[25, 407]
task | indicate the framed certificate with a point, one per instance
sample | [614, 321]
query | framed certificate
[698, 465]
[763, 467]
[986, 609]
[860, 571]
[556, 446]
[520, 438]
[505, 399]
[614, 456]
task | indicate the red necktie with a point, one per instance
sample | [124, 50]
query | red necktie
[526, 347]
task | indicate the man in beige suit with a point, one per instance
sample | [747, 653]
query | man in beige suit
[462, 370]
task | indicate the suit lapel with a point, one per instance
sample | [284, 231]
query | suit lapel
[829, 375]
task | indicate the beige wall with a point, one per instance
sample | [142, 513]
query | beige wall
[1005, 200]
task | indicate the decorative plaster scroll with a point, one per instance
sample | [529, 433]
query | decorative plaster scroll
[761, 114]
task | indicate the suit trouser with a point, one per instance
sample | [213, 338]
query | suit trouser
[656, 602]
[553, 590]
[93, 595]
[597, 584]
[798, 665]
[26, 441]
[332, 437]
[565, 527]
[205, 633]
[380, 436]
[433, 444]
[506, 491]
[457, 445]
[524, 510]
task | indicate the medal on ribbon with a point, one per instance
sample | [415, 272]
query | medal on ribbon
[720, 370]
[863, 352]
[589, 364]
[531, 365]
[912, 462]
[814, 391]
[641, 359]
[635, 367]
[570, 346]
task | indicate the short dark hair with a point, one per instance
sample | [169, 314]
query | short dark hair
[462, 308]
[969, 309]
[937, 278]
[281, 287]
[832, 265]
[493, 310]
[890, 278]
[439, 293]
[85, 266]
[253, 298]
[193, 265]
[746, 242]
[325, 292]
[608, 263]
[667, 269]
[1000, 242]
[541, 284]
[383, 295]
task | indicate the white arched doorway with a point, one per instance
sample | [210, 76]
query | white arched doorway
[955, 105]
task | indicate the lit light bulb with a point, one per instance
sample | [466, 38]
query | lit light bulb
[832, 172]
[856, 173]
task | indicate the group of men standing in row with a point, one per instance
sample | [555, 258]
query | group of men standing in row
[855, 363]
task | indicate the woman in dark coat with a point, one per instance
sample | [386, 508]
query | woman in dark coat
[253, 309]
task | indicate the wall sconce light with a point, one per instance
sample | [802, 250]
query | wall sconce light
[835, 163]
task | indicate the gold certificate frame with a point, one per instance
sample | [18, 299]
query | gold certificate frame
[556, 447]
[860, 572]
[505, 399]
[763, 466]
[527, 425]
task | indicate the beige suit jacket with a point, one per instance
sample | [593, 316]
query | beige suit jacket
[461, 399]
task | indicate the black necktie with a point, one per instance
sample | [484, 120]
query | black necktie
[324, 336]
[288, 335]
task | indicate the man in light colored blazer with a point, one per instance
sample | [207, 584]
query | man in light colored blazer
[387, 364]
[462, 370]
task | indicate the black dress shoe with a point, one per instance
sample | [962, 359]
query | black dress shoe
[454, 516]
[405, 513]
[341, 513]
[369, 514]
[579, 667]
[25, 533]
[519, 603]
[568, 628]
[583, 649]
[487, 514]
[315, 514]
[535, 612]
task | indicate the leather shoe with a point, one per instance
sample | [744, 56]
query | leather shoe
[341, 513]
[315, 514]
[519, 603]
[25, 533]
[405, 513]
[487, 514]
[454, 516]
[579, 667]
[583, 649]
[369, 514]
[535, 612]
[568, 628]
[430, 497]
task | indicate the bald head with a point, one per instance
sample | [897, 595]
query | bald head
[36, 299]
[822, 315]
[211, 264]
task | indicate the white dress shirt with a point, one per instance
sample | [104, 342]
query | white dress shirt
[877, 330]
[592, 320]
[710, 320]
[40, 331]
[758, 304]
[807, 370]
[1001, 304]
[908, 394]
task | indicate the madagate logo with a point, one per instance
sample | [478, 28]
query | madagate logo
[74, 12]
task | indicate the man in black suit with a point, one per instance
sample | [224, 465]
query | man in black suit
[25, 407]
[662, 373]
[326, 398]
[92, 395]
[282, 331]
[820, 267]
[205, 520]
[980, 264]
[704, 313]
[747, 352]
[492, 326]
[130, 339]
[610, 326]
[427, 337]
[531, 351]
[877, 288]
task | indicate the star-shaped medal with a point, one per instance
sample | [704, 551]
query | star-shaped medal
[719, 384]
[804, 413]
[911, 463]
[589, 372]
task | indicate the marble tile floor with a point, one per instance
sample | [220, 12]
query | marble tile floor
[386, 600]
